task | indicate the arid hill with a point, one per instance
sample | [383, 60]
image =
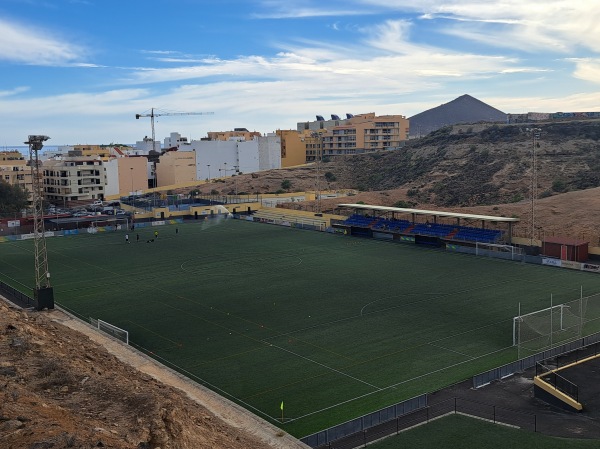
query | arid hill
[61, 389]
[482, 169]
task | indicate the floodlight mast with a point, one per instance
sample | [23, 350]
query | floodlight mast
[43, 293]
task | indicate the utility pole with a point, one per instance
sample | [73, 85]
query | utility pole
[43, 293]
[318, 158]
[535, 134]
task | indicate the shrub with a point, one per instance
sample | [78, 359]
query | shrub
[517, 197]
[286, 184]
[559, 186]
[405, 204]
[330, 177]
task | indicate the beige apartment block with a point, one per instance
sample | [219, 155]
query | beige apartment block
[363, 133]
[293, 148]
[126, 175]
[176, 167]
[73, 178]
[15, 171]
[236, 134]
[104, 152]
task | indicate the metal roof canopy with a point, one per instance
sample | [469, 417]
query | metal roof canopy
[84, 219]
[436, 213]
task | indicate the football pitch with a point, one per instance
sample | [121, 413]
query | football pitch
[332, 326]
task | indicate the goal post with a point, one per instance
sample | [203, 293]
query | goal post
[543, 329]
[114, 331]
[500, 251]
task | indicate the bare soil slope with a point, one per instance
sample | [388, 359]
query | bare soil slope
[61, 389]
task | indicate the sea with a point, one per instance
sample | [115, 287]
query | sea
[24, 149]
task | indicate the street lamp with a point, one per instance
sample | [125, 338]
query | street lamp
[132, 194]
[237, 170]
[208, 165]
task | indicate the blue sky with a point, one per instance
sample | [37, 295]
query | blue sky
[79, 70]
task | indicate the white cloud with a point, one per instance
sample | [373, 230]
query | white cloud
[24, 44]
[570, 103]
[283, 9]
[555, 25]
[587, 69]
[15, 91]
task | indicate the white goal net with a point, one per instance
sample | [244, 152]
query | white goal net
[114, 331]
[499, 251]
[546, 328]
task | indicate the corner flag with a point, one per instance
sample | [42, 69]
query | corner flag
[281, 407]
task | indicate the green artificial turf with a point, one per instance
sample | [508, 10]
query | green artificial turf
[334, 326]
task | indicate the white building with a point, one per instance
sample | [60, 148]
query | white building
[220, 158]
[143, 147]
[175, 140]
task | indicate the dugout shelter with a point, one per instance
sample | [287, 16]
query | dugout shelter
[565, 248]
[90, 221]
[426, 226]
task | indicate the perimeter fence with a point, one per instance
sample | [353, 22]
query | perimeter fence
[529, 362]
[429, 413]
[16, 296]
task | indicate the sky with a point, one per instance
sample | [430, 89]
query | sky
[79, 71]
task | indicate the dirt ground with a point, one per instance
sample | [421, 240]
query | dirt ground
[63, 384]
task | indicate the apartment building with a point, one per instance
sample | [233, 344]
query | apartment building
[73, 178]
[126, 175]
[176, 167]
[236, 134]
[15, 171]
[293, 148]
[363, 133]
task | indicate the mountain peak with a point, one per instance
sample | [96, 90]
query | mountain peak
[463, 109]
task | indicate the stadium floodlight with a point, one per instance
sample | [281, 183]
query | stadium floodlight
[36, 141]
[42, 292]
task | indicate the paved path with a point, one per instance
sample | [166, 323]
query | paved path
[515, 394]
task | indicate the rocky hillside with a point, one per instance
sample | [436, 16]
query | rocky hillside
[462, 166]
[59, 389]
[459, 166]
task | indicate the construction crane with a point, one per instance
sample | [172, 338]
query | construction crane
[153, 114]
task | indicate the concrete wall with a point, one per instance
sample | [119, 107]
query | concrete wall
[176, 167]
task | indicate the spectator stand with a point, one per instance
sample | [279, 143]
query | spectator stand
[429, 227]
